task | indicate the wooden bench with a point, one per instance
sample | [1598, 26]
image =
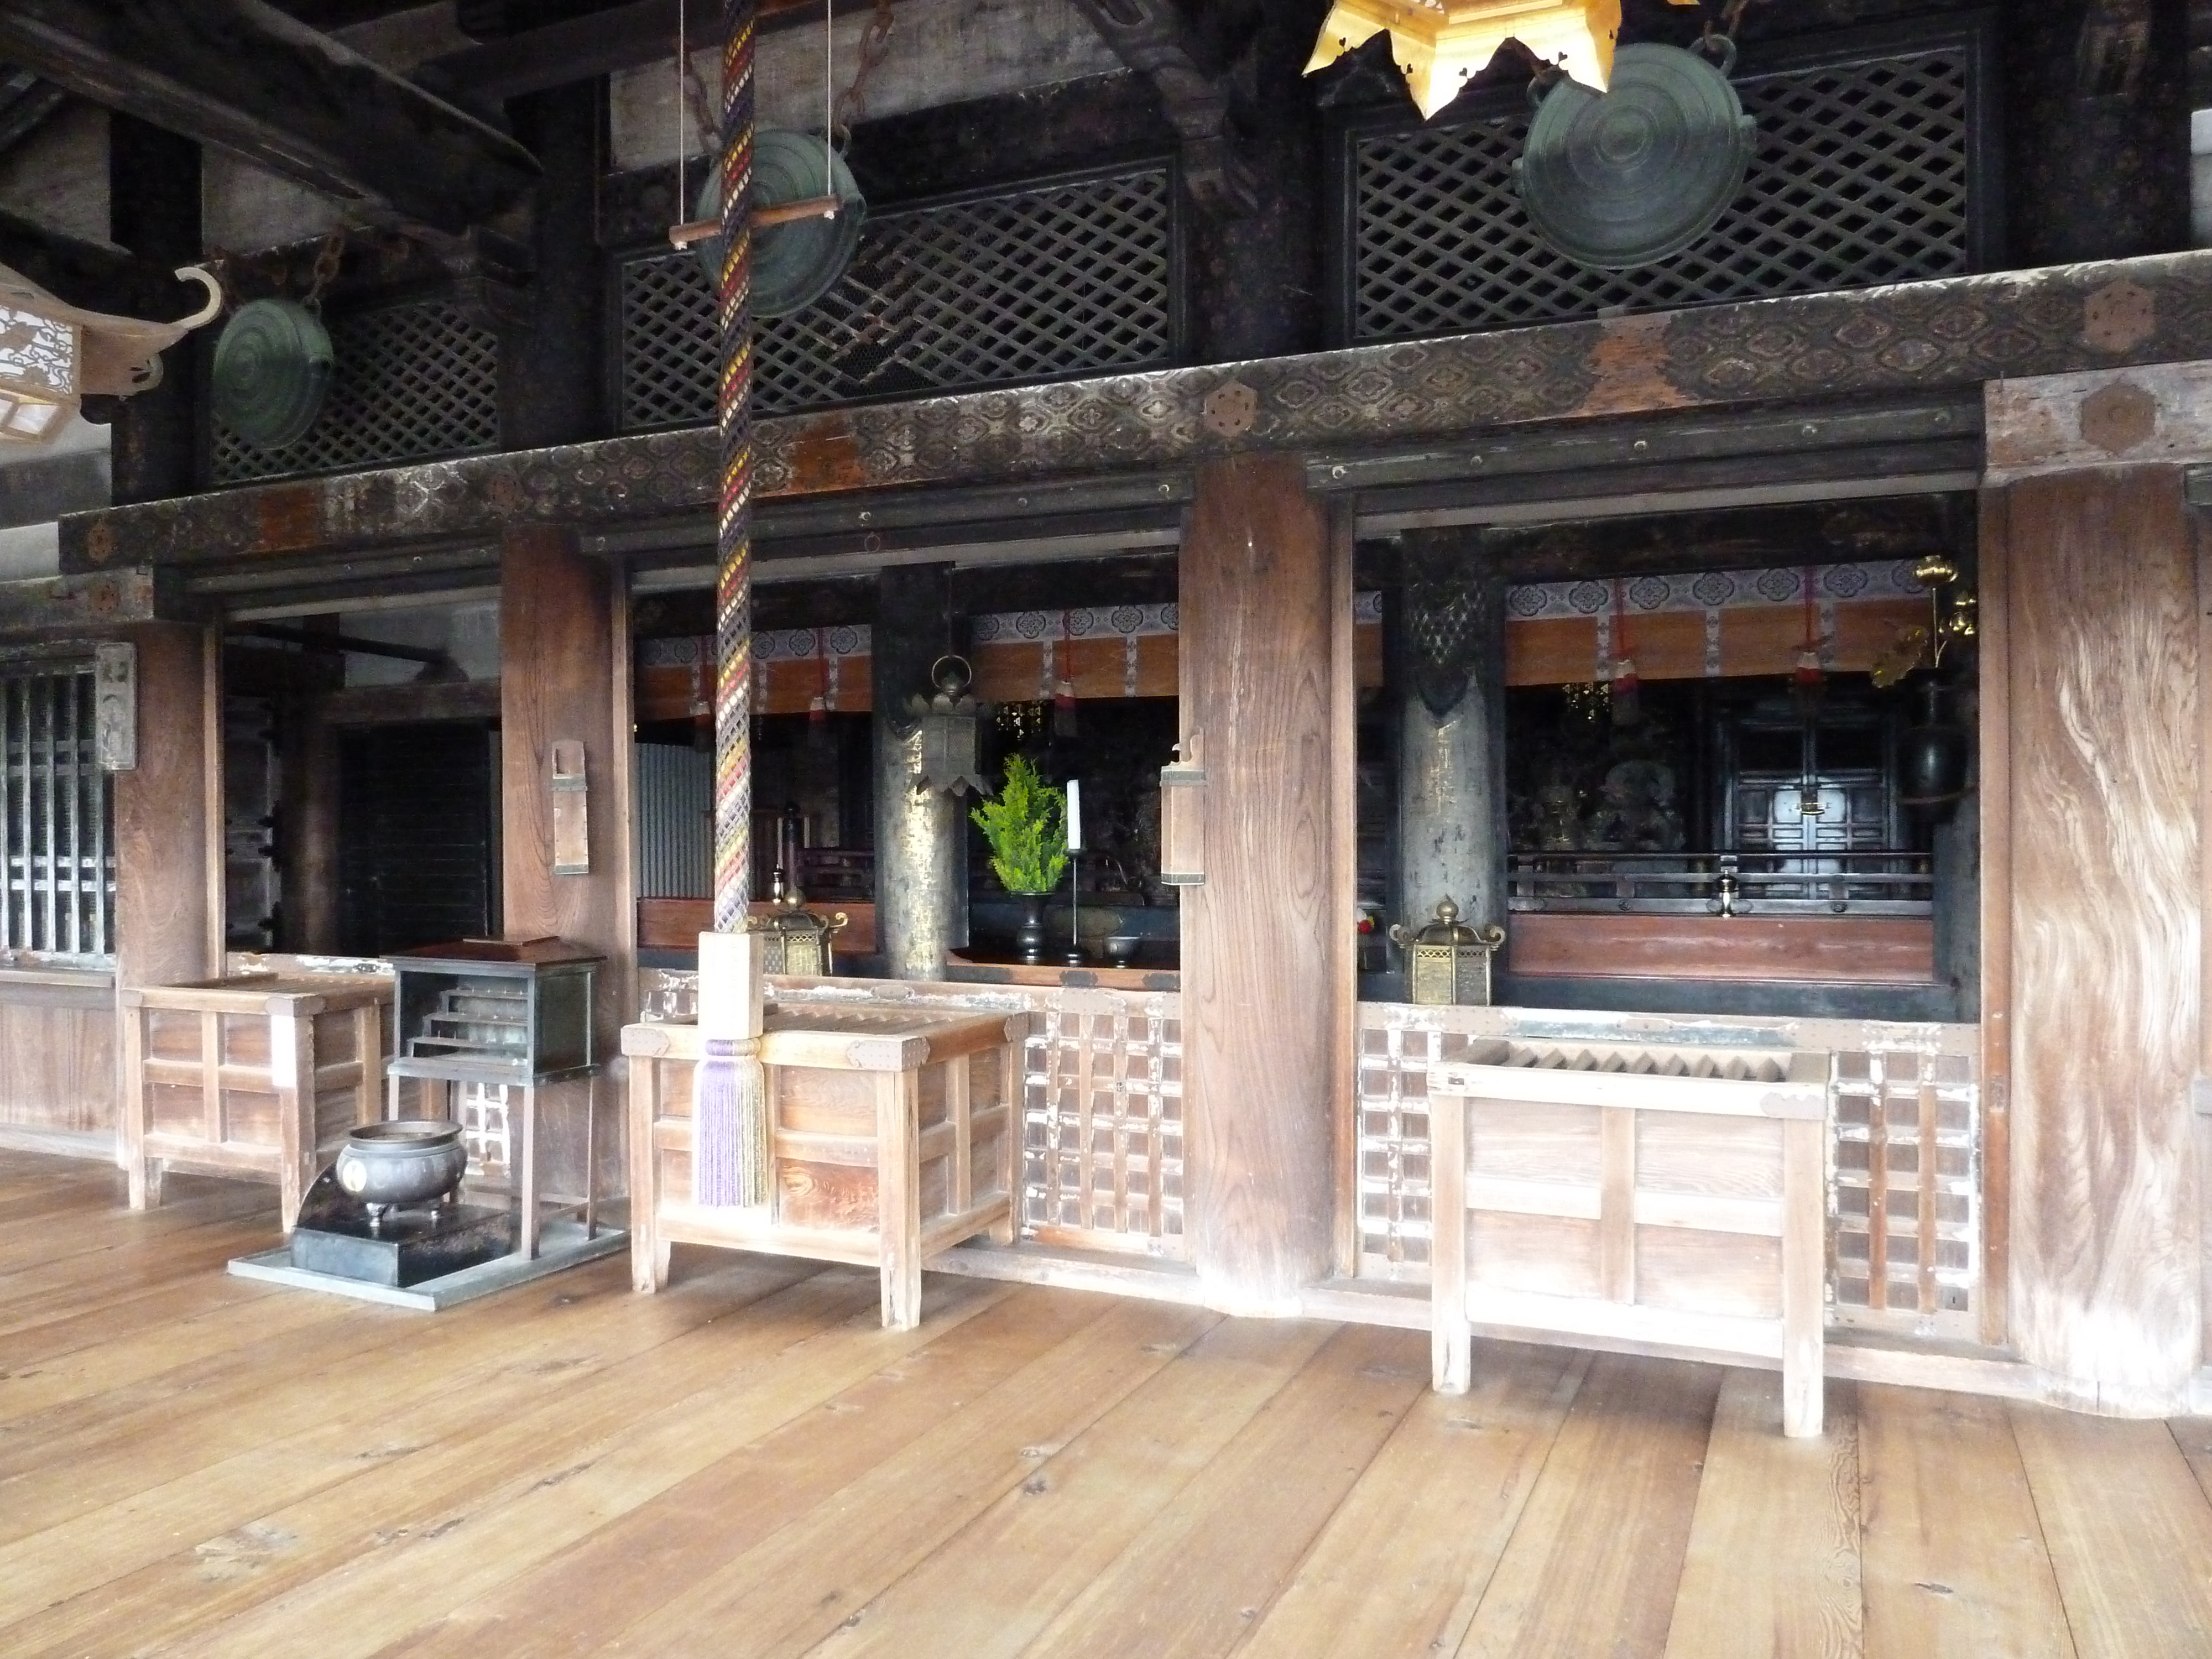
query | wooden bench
[1647, 1197]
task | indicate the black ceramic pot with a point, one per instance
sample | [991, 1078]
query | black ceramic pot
[1934, 757]
[1028, 939]
[408, 1161]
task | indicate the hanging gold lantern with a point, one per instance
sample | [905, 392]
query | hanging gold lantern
[53, 356]
[1440, 44]
[1448, 962]
[792, 938]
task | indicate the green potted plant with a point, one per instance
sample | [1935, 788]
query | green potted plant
[1027, 828]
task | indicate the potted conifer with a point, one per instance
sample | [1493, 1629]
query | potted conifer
[1027, 828]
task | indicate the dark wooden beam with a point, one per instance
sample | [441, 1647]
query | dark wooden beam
[240, 74]
[577, 49]
[26, 102]
[154, 210]
[93, 275]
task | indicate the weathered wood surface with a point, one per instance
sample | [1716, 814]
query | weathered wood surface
[1956, 332]
[198, 1465]
[559, 680]
[1262, 941]
[1848, 950]
[2102, 691]
[164, 909]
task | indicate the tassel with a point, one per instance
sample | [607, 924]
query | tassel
[729, 1164]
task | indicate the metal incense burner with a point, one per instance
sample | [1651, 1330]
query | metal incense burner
[1448, 962]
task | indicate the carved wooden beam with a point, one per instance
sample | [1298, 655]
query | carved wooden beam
[1909, 340]
[26, 102]
[1152, 38]
[561, 54]
[240, 74]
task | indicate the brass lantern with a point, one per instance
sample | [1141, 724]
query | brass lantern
[1448, 962]
[1183, 821]
[792, 938]
[948, 722]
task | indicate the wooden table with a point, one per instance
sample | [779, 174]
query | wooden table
[893, 1136]
[257, 1075]
[1657, 1197]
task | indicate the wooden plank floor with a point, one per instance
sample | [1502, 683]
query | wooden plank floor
[191, 1464]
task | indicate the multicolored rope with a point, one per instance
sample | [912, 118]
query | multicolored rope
[734, 598]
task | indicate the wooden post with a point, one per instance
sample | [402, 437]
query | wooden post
[1451, 1344]
[1265, 949]
[558, 683]
[2101, 701]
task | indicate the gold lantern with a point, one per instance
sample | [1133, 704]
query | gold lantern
[948, 720]
[792, 938]
[53, 356]
[1448, 962]
[1182, 820]
[1440, 44]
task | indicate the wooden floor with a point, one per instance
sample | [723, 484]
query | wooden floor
[748, 1465]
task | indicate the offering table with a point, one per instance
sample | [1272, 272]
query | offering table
[893, 1136]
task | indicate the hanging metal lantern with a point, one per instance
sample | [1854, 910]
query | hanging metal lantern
[1448, 962]
[795, 260]
[949, 720]
[272, 371]
[53, 356]
[1182, 817]
[1629, 177]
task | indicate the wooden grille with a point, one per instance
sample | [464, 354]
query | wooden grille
[1102, 1143]
[1073, 277]
[1904, 1212]
[1862, 175]
[408, 382]
[1905, 1144]
[57, 838]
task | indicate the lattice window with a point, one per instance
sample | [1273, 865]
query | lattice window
[1102, 1101]
[56, 840]
[408, 382]
[485, 1113]
[1903, 1217]
[1074, 277]
[1861, 176]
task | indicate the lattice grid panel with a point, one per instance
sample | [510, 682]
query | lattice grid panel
[408, 382]
[1067, 278]
[486, 1116]
[1861, 177]
[1905, 1144]
[1904, 1219]
[1102, 1108]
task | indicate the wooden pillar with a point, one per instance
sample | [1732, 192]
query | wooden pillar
[563, 673]
[168, 845]
[1267, 959]
[2093, 844]
[552, 378]
[1451, 754]
[2096, 128]
[154, 209]
[921, 905]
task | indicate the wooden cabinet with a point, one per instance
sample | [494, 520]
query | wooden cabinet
[893, 1136]
[260, 1076]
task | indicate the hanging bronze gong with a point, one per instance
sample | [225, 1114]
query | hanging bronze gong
[273, 367]
[1626, 177]
[799, 261]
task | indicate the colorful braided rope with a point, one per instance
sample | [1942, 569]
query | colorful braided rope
[733, 681]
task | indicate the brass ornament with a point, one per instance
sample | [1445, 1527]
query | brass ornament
[1447, 964]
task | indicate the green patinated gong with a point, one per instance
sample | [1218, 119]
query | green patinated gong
[1628, 177]
[272, 368]
[795, 264]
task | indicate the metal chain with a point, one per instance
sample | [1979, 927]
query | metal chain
[326, 270]
[875, 46]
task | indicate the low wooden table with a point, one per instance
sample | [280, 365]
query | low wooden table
[894, 1135]
[1663, 1197]
[257, 1075]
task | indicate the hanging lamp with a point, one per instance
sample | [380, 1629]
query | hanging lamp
[53, 356]
[1439, 44]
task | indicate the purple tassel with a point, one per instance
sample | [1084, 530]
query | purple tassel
[729, 1161]
[714, 1113]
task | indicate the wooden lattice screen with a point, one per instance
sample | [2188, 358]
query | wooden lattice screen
[1904, 1145]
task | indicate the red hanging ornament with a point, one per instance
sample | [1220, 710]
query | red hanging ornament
[1808, 684]
[1063, 690]
[1627, 689]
